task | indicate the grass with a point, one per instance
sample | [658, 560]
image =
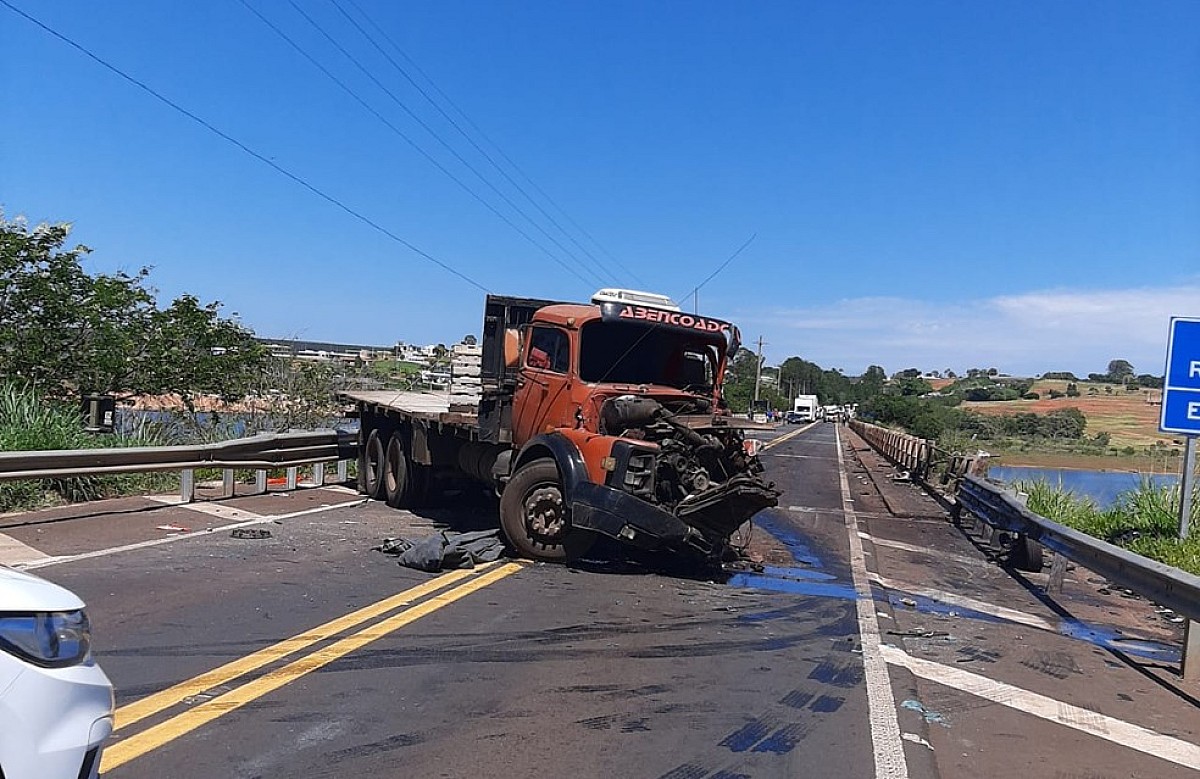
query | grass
[1144, 520]
[29, 422]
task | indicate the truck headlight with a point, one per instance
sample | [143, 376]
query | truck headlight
[53, 639]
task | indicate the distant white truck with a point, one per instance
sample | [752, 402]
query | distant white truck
[806, 408]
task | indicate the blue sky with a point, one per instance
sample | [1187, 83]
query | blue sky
[934, 184]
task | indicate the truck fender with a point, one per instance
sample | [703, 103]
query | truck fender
[564, 453]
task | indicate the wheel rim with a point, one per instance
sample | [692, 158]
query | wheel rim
[545, 512]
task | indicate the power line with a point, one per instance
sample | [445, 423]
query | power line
[256, 155]
[437, 137]
[432, 160]
[482, 134]
[696, 289]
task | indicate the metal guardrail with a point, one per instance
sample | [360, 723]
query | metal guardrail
[260, 453]
[1162, 584]
[924, 462]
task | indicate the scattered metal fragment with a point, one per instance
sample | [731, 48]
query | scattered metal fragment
[249, 532]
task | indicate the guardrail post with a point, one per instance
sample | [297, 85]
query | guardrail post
[343, 471]
[1190, 664]
[227, 483]
[260, 482]
[318, 477]
[293, 475]
[187, 485]
[1058, 572]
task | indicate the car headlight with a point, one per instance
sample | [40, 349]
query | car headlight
[50, 639]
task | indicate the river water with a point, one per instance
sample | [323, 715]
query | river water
[1101, 486]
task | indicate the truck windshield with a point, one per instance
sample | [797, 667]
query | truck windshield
[629, 353]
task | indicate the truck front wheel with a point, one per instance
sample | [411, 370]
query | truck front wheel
[535, 515]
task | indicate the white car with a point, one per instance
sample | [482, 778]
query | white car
[56, 705]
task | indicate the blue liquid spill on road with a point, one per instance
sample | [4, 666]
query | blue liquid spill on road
[775, 583]
[1111, 638]
[820, 584]
[797, 544]
[902, 600]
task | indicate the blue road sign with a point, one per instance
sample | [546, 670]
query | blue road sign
[1181, 389]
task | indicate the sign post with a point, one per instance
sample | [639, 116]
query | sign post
[1181, 414]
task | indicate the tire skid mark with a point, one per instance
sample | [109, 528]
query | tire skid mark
[748, 735]
[837, 673]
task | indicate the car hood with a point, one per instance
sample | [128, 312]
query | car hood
[20, 591]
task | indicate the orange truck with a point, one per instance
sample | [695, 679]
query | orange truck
[597, 419]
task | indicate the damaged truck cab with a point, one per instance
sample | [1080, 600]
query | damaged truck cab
[618, 428]
[590, 419]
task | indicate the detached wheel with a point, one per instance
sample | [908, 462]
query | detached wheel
[370, 466]
[535, 516]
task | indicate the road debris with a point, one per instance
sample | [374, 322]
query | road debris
[445, 550]
[250, 532]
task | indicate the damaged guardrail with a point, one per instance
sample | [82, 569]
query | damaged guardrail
[260, 453]
[1161, 584]
[959, 476]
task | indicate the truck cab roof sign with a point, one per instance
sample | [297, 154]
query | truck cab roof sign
[676, 320]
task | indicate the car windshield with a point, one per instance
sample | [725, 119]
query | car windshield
[634, 353]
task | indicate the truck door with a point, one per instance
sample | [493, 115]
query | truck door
[542, 397]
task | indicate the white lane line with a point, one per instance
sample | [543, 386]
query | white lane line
[181, 537]
[925, 550]
[881, 703]
[953, 599]
[14, 552]
[1117, 731]
[204, 507]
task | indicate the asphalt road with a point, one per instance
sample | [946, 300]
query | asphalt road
[876, 640]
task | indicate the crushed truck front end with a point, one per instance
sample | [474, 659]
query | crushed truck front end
[645, 449]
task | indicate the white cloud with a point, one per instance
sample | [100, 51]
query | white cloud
[1027, 333]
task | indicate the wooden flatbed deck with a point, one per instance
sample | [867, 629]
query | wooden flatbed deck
[431, 406]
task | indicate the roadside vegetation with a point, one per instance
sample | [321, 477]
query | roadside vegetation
[1144, 520]
[30, 422]
[181, 373]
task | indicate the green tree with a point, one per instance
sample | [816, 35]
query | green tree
[69, 332]
[1119, 370]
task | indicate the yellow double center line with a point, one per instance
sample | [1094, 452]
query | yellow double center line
[121, 752]
[788, 436]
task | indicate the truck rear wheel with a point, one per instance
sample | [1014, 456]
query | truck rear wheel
[370, 466]
[535, 516]
[397, 480]
[405, 483]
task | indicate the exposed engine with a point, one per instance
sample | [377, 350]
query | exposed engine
[702, 469]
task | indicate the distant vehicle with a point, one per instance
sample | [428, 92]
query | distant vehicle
[795, 418]
[56, 705]
[807, 406]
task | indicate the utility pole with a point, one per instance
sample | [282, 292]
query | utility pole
[757, 374]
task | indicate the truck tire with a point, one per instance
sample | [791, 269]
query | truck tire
[535, 516]
[397, 474]
[370, 467]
